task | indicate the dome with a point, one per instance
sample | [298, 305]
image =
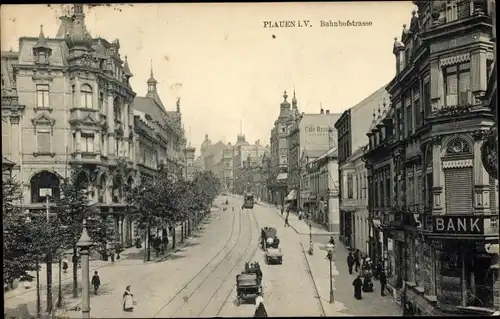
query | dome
[78, 37]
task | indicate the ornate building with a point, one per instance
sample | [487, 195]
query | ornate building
[160, 139]
[67, 101]
[434, 208]
[278, 180]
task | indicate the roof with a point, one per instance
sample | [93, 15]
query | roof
[331, 152]
[150, 106]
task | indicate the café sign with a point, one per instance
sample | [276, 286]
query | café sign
[458, 225]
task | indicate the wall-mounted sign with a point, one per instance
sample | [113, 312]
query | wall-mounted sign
[458, 225]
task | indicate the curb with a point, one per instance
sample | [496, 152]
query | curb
[318, 296]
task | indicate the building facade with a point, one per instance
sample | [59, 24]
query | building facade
[352, 127]
[434, 208]
[277, 183]
[243, 151]
[67, 101]
[190, 168]
[310, 136]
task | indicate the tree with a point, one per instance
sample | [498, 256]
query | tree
[26, 239]
[71, 209]
[208, 186]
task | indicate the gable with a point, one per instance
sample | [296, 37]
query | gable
[43, 119]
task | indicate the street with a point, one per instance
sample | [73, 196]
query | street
[199, 279]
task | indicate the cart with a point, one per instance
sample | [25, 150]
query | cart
[248, 286]
[266, 233]
[274, 256]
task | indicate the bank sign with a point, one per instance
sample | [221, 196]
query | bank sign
[458, 225]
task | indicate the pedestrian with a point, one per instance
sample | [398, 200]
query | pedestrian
[128, 303]
[286, 221]
[383, 282]
[357, 283]
[260, 311]
[96, 282]
[65, 265]
[367, 284]
[350, 262]
[356, 260]
[118, 248]
[332, 241]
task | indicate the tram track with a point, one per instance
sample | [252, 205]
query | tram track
[189, 291]
[251, 256]
[309, 271]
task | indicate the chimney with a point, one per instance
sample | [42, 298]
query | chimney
[327, 111]
[322, 111]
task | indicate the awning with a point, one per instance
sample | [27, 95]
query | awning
[291, 196]
[282, 176]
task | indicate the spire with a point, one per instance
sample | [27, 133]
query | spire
[152, 79]
[126, 68]
[78, 38]
[42, 42]
[178, 104]
[294, 99]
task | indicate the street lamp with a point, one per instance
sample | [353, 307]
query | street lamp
[84, 243]
[330, 249]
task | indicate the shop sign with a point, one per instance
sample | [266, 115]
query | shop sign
[458, 225]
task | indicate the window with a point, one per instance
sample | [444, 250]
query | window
[430, 199]
[409, 119]
[350, 186]
[42, 95]
[73, 96]
[399, 118]
[418, 114]
[456, 80]
[86, 96]
[43, 141]
[459, 190]
[117, 149]
[387, 192]
[88, 144]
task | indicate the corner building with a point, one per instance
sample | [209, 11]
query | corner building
[433, 203]
[67, 101]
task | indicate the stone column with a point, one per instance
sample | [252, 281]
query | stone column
[97, 142]
[104, 150]
[436, 85]
[481, 180]
[16, 139]
[438, 178]
[78, 141]
[478, 76]
[111, 126]
[76, 98]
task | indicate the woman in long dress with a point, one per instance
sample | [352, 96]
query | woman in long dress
[128, 302]
[260, 311]
[357, 283]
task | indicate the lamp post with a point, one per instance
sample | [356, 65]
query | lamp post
[84, 243]
[330, 249]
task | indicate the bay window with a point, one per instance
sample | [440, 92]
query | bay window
[86, 96]
[88, 143]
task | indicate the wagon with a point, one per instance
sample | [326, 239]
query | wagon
[274, 256]
[266, 233]
[248, 287]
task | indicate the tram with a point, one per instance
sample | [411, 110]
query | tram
[248, 201]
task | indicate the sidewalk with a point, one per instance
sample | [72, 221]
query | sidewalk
[344, 304]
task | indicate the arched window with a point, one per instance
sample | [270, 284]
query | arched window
[42, 184]
[86, 96]
[117, 110]
[117, 189]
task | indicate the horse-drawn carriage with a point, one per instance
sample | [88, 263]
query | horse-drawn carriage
[269, 238]
[249, 283]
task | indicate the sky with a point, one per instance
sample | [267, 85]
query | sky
[227, 67]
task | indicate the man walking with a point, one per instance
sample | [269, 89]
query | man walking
[383, 282]
[96, 282]
[350, 262]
